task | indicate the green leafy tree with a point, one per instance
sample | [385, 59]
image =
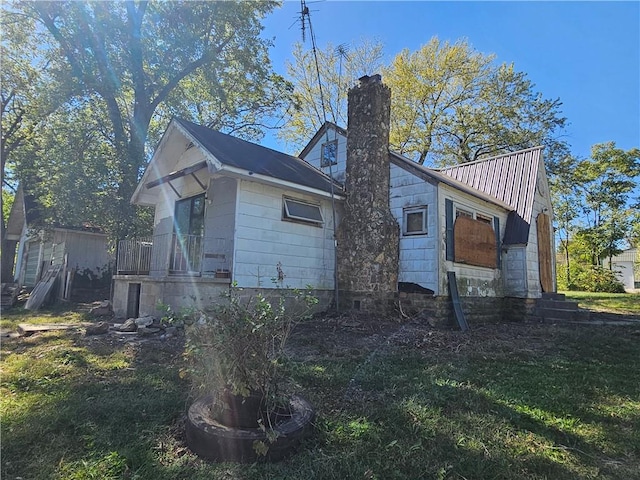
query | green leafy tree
[565, 195]
[449, 102]
[27, 96]
[428, 87]
[139, 62]
[608, 179]
[452, 104]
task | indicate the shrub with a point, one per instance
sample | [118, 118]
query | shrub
[590, 278]
[238, 344]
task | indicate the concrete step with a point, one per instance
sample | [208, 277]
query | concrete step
[554, 308]
[560, 304]
[553, 296]
[557, 313]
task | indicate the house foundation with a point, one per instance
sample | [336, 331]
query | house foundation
[438, 310]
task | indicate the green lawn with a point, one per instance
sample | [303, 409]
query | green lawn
[607, 302]
[512, 401]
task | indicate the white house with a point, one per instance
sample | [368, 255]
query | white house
[227, 210]
[626, 265]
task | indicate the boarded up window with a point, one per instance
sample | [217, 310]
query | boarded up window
[475, 242]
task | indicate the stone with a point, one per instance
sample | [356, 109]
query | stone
[99, 328]
[368, 234]
[147, 330]
[171, 331]
[100, 311]
[128, 326]
[144, 321]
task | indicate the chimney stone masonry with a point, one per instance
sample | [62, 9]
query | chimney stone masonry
[368, 234]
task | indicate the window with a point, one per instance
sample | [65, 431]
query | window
[463, 213]
[414, 220]
[302, 211]
[329, 153]
[189, 216]
[471, 237]
[484, 218]
[188, 226]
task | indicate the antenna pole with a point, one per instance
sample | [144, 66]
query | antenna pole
[305, 16]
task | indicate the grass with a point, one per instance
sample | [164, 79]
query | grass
[500, 402]
[623, 303]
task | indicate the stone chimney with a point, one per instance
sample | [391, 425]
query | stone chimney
[368, 234]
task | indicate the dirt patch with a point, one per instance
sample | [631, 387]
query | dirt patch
[350, 337]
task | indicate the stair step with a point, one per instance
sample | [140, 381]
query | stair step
[561, 304]
[553, 296]
[565, 314]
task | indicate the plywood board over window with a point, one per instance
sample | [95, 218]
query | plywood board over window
[543, 224]
[475, 242]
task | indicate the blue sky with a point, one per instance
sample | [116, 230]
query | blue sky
[585, 53]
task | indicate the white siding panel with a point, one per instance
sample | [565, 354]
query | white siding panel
[264, 240]
[87, 251]
[418, 262]
[338, 170]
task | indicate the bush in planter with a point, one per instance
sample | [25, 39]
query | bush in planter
[233, 350]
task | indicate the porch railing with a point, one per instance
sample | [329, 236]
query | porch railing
[134, 256]
[169, 253]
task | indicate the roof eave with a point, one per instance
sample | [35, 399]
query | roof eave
[257, 177]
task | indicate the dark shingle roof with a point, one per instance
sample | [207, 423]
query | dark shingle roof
[257, 159]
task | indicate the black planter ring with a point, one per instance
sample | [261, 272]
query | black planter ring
[214, 441]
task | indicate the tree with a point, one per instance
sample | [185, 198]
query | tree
[452, 104]
[428, 87]
[25, 103]
[608, 179]
[449, 103]
[140, 62]
[340, 66]
[565, 194]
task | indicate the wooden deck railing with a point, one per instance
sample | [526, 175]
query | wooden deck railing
[169, 253]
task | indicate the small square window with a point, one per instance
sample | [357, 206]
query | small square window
[329, 153]
[415, 220]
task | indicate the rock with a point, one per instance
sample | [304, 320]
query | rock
[147, 330]
[128, 326]
[171, 331]
[104, 308]
[99, 328]
[144, 321]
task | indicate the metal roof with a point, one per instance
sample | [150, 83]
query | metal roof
[511, 178]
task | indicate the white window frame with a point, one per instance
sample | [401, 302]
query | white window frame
[324, 162]
[483, 217]
[287, 215]
[423, 209]
[464, 212]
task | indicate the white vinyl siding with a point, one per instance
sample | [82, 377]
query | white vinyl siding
[418, 261]
[305, 251]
